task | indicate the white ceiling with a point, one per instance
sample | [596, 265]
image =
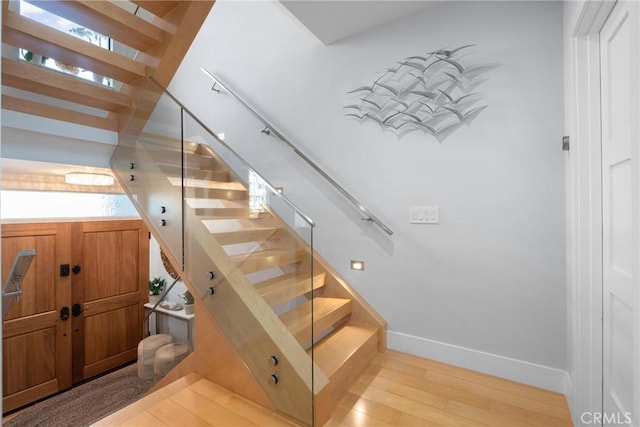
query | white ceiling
[333, 20]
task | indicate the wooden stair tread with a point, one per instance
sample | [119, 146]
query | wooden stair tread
[107, 19]
[213, 214]
[41, 80]
[213, 211]
[57, 113]
[231, 190]
[157, 7]
[289, 286]
[263, 260]
[218, 185]
[193, 400]
[196, 172]
[326, 313]
[198, 203]
[26, 33]
[334, 350]
[252, 234]
[168, 156]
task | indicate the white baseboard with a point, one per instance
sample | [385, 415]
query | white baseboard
[504, 367]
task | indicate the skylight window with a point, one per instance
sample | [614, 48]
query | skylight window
[61, 24]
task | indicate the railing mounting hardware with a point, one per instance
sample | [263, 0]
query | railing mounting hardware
[271, 130]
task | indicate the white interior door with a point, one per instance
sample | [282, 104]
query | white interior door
[619, 51]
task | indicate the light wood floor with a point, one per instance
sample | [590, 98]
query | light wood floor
[396, 390]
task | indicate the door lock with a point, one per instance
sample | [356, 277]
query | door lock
[64, 313]
[76, 310]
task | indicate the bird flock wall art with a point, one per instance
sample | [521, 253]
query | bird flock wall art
[433, 93]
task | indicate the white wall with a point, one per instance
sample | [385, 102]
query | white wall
[486, 288]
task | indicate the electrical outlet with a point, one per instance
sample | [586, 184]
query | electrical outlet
[424, 215]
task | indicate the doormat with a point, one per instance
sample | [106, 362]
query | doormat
[85, 404]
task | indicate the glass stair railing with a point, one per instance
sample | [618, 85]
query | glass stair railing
[255, 278]
[246, 253]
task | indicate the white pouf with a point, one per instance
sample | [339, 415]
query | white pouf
[147, 349]
[167, 357]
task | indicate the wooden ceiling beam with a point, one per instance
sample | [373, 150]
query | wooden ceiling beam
[57, 113]
[107, 19]
[25, 33]
[157, 7]
[33, 78]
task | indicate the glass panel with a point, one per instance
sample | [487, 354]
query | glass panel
[148, 163]
[244, 248]
[255, 242]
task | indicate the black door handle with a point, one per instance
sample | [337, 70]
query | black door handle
[76, 310]
[64, 313]
[76, 269]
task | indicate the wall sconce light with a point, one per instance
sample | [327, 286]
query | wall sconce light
[357, 265]
[80, 178]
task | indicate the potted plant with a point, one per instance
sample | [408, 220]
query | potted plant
[29, 56]
[188, 302]
[156, 286]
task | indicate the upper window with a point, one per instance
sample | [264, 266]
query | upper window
[52, 204]
[64, 25]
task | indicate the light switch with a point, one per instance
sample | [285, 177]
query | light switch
[424, 215]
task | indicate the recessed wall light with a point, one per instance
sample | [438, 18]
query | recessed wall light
[82, 178]
[357, 265]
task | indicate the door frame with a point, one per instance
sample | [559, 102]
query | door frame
[584, 185]
[584, 203]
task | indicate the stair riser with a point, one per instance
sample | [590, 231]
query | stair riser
[342, 378]
[336, 317]
[258, 263]
[292, 291]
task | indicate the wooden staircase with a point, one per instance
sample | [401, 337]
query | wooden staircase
[273, 294]
[308, 298]
[159, 40]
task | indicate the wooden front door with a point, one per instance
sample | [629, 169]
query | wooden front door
[103, 291]
[110, 287]
[36, 343]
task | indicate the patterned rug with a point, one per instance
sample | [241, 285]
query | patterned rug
[85, 404]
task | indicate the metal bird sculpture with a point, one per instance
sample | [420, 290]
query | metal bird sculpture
[430, 93]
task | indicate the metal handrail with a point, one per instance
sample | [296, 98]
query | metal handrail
[269, 128]
[271, 187]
